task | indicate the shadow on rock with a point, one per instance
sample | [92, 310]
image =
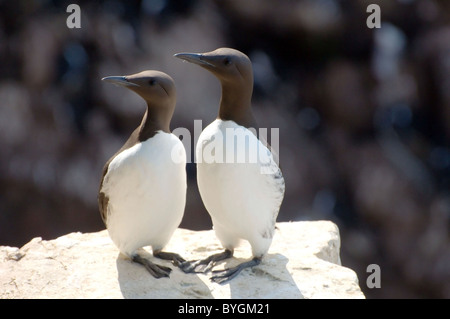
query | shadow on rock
[136, 283]
[270, 280]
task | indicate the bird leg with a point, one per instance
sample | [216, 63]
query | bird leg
[155, 270]
[222, 276]
[205, 265]
[175, 258]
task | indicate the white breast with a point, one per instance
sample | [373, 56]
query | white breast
[243, 197]
[146, 190]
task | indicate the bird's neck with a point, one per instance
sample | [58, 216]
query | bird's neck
[236, 105]
[152, 122]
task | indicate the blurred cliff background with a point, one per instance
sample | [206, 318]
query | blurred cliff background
[364, 116]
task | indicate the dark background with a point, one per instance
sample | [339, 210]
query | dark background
[364, 116]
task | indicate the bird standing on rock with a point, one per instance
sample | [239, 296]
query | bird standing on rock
[142, 192]
[243, 198]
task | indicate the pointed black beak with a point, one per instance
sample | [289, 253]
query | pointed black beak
[119, 80]
[196, 58]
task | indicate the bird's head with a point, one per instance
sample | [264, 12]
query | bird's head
[230, 66]
[155, 87]
[158, 90]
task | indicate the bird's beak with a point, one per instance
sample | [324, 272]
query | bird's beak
[196, 58]
[119, 80]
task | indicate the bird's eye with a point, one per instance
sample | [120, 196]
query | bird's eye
[227, 61]
[152, 82]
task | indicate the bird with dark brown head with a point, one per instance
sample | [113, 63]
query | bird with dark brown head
[243, 202]
[143, 188]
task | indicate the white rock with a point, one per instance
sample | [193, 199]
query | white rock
[303, 262]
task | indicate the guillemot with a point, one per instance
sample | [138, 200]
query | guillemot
[243, 202]
[142, 192]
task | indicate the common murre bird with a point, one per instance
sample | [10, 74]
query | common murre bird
[242, 199]
[142, 192]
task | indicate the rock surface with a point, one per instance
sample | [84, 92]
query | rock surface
[303, 262]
